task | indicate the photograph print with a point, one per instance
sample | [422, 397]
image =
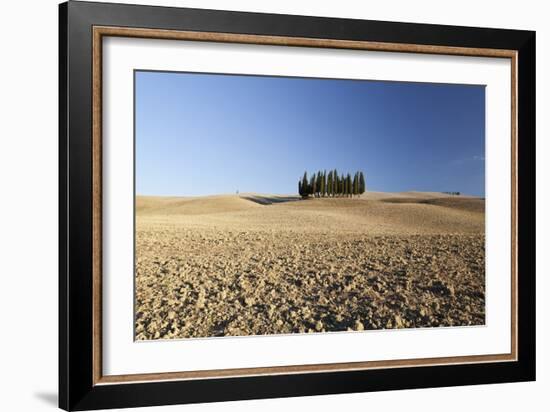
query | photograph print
[272, 205]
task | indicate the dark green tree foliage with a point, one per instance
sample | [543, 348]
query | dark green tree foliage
[331, 184]
[362, 184]
[356, 183]
[344, 186]
[305, 186]
[318, 184]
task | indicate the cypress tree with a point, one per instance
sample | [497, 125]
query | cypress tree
[349, 185]
[317, 184]
[346, 188]
[324, 183]
[362, 184]
[344, 185]
[305, 191]
[329, 183]
[356, 183]
[312, 186]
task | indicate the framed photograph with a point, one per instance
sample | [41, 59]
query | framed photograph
[257, 205]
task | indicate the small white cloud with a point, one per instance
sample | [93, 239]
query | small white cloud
[475, 158]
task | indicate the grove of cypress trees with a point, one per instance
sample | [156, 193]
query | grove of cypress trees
[321, 184]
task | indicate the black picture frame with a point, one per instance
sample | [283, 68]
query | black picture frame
[77, 390]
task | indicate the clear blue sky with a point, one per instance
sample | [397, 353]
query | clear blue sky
[199, 134]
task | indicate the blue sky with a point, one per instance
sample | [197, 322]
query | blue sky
[199, 134]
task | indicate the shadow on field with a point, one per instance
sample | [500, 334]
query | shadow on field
[466, 204]
[269, 200]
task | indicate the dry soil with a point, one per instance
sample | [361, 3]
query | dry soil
[259, 264]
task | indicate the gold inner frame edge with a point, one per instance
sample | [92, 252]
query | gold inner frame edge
[101, 31]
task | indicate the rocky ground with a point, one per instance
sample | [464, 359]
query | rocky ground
[260, 269]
